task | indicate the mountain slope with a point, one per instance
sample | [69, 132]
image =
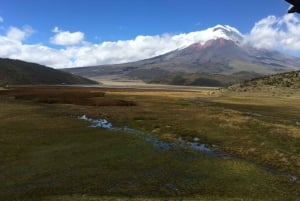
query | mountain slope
[218, 56]
[222, 56]
[20, 72]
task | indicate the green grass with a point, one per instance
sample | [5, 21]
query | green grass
[222, 121]
[46, 153]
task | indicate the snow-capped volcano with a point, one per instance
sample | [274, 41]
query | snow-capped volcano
[219, 31]
[219, 49]
[227, 32]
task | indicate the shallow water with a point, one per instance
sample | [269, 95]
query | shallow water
[194, 145]
[101, 123]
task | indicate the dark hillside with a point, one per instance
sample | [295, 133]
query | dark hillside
[14, 72]
[204, 79]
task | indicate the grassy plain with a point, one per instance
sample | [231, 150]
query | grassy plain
[47, 153]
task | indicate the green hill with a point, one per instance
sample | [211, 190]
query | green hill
[14, 72]
[283, 81]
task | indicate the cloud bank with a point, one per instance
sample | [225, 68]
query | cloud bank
[271, 32]
[282, 33]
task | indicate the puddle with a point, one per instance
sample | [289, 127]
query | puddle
[193, 145]
[101, 123]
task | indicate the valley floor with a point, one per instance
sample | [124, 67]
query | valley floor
[48, 153]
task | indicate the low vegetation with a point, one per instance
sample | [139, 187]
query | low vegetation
[48, 154]
[285, 81]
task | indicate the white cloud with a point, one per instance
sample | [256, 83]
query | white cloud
[33, 53]
[271, 32]
[1, 19]
[280, 33]
[17, 34]
[66, 38]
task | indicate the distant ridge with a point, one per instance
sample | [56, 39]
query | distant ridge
[17, 72]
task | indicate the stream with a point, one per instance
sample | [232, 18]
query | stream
[193, 145]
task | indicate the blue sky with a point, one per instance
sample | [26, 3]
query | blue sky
[109, 20]
[67, 26]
